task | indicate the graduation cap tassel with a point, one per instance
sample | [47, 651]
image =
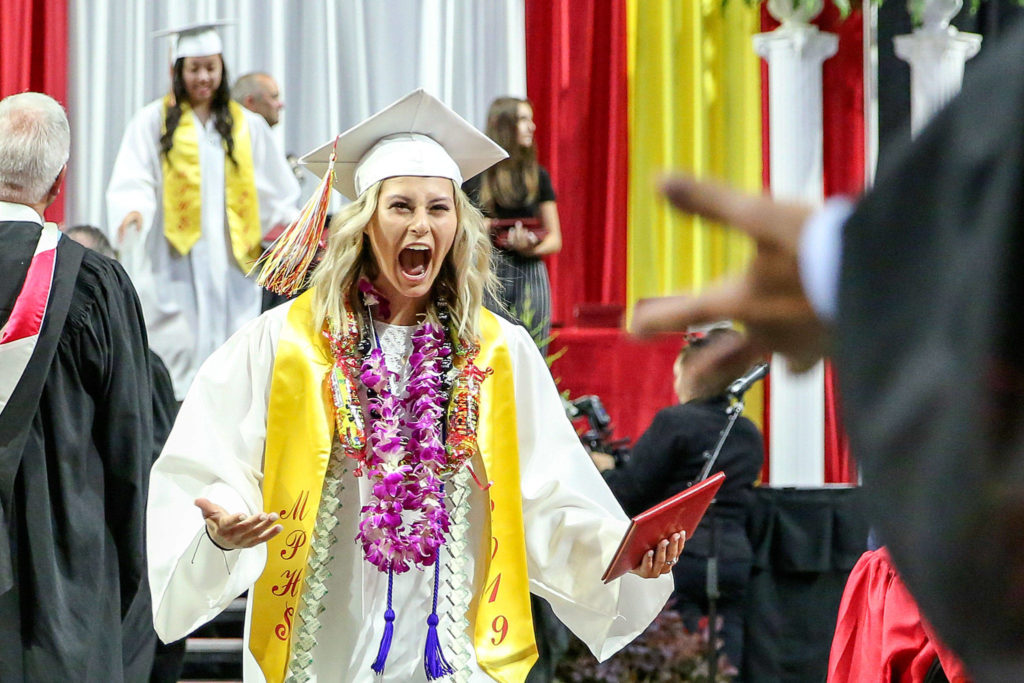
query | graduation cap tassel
[389, 632]
[434, 661]
[284, 266]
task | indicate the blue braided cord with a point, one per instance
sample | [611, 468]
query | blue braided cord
[389, 630]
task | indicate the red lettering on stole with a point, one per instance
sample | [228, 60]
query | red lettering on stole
[298, 510]
[292, 577]
[500, 623]
[284, 629]
[499, 626]
[296, 539]
[496, 583]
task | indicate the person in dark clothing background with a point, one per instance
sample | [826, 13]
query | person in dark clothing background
[668, 457]
[169, 658]
[76, 431]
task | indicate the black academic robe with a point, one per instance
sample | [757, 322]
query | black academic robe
[74, 500]
[931, 363]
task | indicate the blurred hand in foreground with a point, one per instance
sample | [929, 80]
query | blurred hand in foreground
[768, 298]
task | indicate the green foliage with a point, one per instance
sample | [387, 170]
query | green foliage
[842, 5]
[535, 326]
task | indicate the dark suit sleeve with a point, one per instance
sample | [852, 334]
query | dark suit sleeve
[642, 481]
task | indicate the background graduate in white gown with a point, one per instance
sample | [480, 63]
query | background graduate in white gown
[197, 182]
[338, 449]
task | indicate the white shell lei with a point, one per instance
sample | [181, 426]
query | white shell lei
[458, 594]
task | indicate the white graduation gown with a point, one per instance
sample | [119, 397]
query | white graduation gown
[573, 525]
[192, 303]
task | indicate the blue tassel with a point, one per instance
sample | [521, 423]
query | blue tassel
[434, 662]
[433, 659]
[389, 632]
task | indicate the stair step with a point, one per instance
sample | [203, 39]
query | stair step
[237, 605]
[203, 645]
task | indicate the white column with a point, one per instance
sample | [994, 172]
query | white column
[936, 53]
[795, 52]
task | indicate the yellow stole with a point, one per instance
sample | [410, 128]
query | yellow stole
[300, 429]
[182, 195]
[503, 628]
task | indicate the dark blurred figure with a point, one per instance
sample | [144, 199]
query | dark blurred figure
[668, 458]
[916, 292]
[169, 658]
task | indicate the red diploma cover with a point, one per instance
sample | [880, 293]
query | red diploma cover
[681, 512]
[501, 226]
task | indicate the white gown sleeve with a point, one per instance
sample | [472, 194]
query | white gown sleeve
[136, 177]
[276, 185]
[214, 451]
[573, 522]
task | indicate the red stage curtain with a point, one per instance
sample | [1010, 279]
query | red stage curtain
[576, 78]
[34, 44]
[843, 160]
[632, 378]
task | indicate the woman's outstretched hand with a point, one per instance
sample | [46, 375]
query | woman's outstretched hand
[660, 560]
[234, 531]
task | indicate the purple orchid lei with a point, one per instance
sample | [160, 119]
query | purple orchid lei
[373, 297]
[404, 453]
[404, 458]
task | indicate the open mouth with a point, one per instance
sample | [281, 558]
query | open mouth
[414, 261]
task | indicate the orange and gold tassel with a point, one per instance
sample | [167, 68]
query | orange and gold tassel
[285, 265]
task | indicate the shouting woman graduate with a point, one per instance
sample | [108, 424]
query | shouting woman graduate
[382, 463]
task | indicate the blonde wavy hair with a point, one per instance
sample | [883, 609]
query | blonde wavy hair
[464, 277]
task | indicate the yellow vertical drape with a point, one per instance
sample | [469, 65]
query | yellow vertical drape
[695, 105]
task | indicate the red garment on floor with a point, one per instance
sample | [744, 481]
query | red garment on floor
[880, 634]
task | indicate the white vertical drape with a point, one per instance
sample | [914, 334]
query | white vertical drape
[335, 61]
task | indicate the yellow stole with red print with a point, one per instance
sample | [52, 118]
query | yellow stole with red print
[300, 429]
[182, 200]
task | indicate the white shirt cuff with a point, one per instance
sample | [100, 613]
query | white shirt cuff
[821, 251]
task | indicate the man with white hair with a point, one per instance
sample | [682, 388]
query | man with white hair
[75, 430]
[258, 92]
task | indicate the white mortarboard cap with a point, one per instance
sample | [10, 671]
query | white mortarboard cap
[195, 40]
[416, 136]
